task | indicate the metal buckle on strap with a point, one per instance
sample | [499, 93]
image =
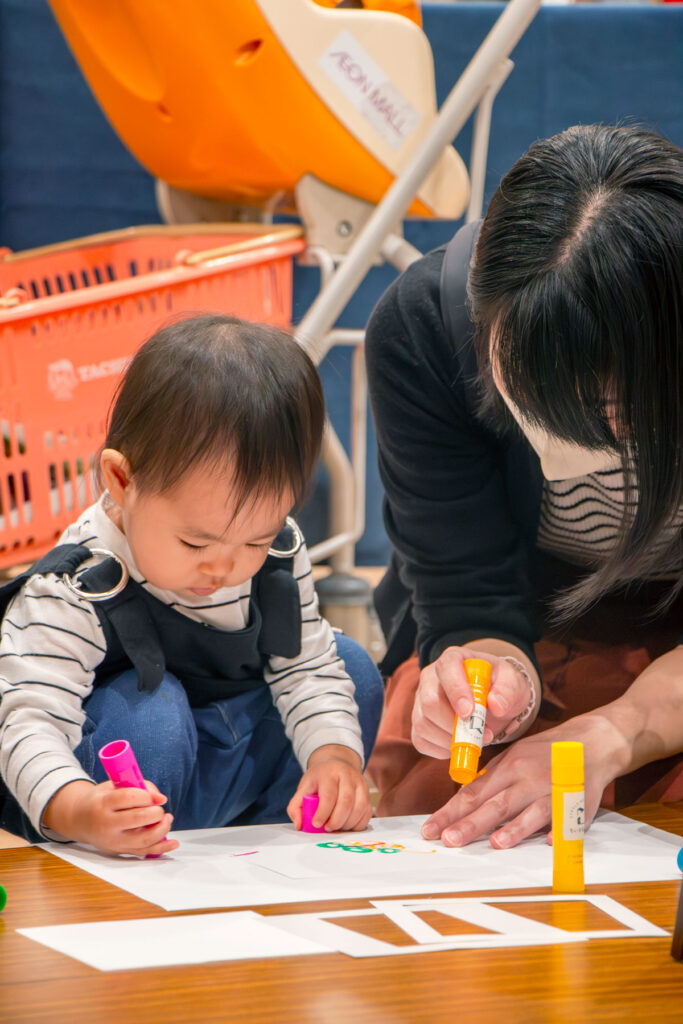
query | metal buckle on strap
[72, 583]
[296, 546]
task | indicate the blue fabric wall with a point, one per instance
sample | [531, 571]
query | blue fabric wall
[64, 173]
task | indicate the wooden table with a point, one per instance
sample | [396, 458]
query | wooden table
[619, 980]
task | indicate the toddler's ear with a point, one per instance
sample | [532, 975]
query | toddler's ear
[115, 473]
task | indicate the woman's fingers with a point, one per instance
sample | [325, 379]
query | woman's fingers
[481, 820]
[512, 801]
[534, 817]
[466, 801]
[451, 677]
[428, 736]
[444, 692]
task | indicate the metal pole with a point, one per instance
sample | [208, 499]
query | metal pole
[480, 143]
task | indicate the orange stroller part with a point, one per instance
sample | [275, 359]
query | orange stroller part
[239, 100]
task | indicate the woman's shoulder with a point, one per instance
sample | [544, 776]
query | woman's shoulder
[408, 346]
[412, 300]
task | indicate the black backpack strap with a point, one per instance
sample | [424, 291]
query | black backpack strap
[453, 295]
[277, 595]
[62, 560]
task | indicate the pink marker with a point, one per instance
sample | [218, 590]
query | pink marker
[120, 764]
[309, 805]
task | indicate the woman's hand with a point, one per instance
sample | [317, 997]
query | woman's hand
[513, 799]
[335, 774]
[126, 820]
[444, 692]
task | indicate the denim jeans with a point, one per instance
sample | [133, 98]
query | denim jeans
[227, 763]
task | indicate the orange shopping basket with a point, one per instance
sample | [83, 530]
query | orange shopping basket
[71, 317]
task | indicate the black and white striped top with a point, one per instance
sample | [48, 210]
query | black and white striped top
[52, 642]
[580, 518]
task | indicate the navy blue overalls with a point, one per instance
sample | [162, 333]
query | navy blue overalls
[143, 633]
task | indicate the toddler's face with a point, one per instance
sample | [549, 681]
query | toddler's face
[190, 539]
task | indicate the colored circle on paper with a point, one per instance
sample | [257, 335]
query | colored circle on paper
[680, 858]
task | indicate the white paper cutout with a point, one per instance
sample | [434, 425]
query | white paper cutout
[510, 929]
[200, 938]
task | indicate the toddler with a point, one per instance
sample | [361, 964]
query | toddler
[179, 613]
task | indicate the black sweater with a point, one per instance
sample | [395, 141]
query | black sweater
[462, 496]
[461, 499]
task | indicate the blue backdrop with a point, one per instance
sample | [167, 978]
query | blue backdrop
[64, 173]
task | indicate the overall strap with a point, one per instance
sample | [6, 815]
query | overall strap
[62, 560]
[127, 615]
[277, 594]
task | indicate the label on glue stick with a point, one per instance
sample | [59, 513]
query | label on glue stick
[574, 815]
[471, 730]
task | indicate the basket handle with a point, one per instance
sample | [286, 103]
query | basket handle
[273, 234]
[261, 234]
[13, 297]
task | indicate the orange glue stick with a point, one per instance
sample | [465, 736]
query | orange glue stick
[468, 733]
[568, 811]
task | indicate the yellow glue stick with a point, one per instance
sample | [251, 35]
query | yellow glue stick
[468, 733]
[568, 809]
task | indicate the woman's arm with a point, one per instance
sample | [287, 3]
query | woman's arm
[513, 799]
[649, 716]
[447, 507]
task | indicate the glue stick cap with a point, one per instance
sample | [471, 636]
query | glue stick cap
[309, 805]
[567, 764]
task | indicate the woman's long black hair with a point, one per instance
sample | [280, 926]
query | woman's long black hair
[576, 290]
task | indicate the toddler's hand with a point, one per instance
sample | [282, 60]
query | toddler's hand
[126, 820]
[334, 773]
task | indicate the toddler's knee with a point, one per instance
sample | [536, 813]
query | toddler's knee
[145, 718]
[362, 669]
[368, 684]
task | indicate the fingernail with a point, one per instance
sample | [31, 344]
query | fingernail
[430, 832]
[453, 837]
[502, 840]
[488, 734]
[502, 703]
[464, 707]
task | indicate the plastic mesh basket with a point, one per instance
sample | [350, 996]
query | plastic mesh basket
[71, 317]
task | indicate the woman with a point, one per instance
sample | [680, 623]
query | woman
[526, 388]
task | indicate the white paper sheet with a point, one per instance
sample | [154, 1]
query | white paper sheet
[238, 867]
[164, 941]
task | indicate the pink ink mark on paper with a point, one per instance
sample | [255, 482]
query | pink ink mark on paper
[248, 854]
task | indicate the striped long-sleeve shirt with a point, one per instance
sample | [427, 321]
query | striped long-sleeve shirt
[580, 520]
[52, 642]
